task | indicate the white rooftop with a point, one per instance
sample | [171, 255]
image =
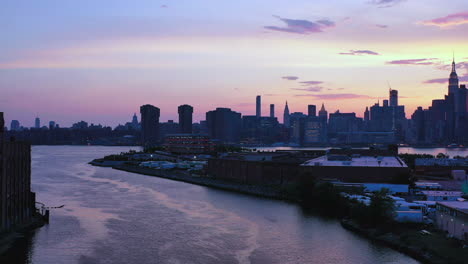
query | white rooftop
[362, 161]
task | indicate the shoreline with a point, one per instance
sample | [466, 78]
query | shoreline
[388, 239]
[270, 192]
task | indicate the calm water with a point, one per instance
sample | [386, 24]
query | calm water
[117, 217]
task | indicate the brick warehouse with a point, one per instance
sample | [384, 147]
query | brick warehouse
[17, 202]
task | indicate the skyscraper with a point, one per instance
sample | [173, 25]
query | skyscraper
[453, 80]
[286, 117]
[311, 111]
[272, 110]
[323, 113]
[185, 119]
[37, 123]
[393, 98]
[51, 124]
[224, 125]
[259, 106]
[149, 125]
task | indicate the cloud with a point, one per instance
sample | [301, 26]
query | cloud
[460, 66]
[359, 52]
[385, 3]
[299, 26]
[311, 82]
[447, 21]
[380, 26]
[164, 6]
[445, 80]
[290, 78]
[274, 95]
[440, 80]
[309, 89]
[339, 96]
[429, 61]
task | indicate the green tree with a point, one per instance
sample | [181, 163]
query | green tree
[381, 208]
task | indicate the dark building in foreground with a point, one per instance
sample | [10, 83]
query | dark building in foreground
[17, 202]
[149, 125]
[185, 119]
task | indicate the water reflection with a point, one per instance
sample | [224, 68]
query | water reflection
[113, 216]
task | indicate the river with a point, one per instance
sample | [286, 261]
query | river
[116, 217]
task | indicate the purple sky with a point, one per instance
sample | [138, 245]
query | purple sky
[100, 60]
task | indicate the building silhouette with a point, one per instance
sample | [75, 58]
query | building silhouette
[323, 114]
[393, 98]
[446, 120]
[258, 106]
[224, 125]
[185, 119]
[37, 123]
[149, 125]
[17, 202]
[15, 125]
[311, 111]
[168, 128]
[286, 118]
[272, 110]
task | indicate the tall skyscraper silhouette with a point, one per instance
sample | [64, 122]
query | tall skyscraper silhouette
[272, 110]
[37, 123]
[286, 117]
[311, 110]
[149, 125]
[259, 106]
[185, 119]
[393, 98]
[323, 113]
[453, 80]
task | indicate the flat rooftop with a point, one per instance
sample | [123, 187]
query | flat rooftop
[442, 193]
[362, 161]
[460, 206]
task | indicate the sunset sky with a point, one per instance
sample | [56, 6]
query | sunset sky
[99, 61]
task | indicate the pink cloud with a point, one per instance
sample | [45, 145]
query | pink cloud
[290, 78]
[309, 89]
[311, 82]
[339, 96]
[445, 80]
[299, 26]
[447, 21]
[380, 26]
[359, 52]
[429, 61]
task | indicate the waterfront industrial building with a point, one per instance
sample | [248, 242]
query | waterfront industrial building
[17, 201]
[452, 217]
[356, 168]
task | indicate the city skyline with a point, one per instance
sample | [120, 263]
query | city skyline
[101, 64]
